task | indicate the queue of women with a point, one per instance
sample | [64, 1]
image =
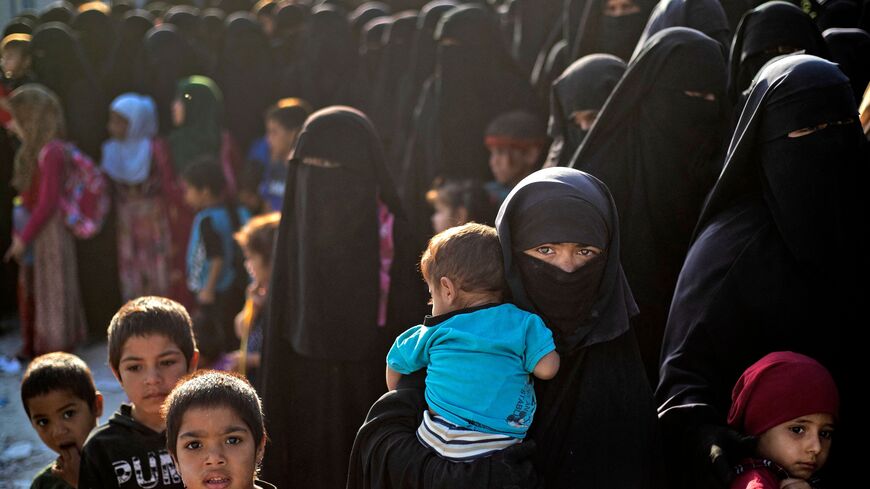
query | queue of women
[716, 149]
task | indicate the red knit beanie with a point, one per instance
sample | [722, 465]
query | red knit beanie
[781, 386]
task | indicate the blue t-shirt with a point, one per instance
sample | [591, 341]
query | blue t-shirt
[479, 362]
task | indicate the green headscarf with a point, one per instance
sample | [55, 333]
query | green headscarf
[200, 134]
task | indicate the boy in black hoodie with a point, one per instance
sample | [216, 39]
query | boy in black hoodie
[151, 346]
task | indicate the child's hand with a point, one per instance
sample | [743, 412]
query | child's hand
[67, 465]
[15, 251]
[792, 483]
[205, 296]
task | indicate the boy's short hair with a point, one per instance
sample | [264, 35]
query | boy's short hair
[258, 235]
[210, 388]
[289, 112]
[470, 255]
[205, 174]
[146, 316]
[58, 371]
[18, 41]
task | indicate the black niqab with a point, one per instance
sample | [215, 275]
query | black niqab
[600, 33]
[246, 78]
[96, 34]
[655, 147]
[324, 349]
[364, 14]
[760, 36]
[167, 59]
[59, 11]
[753, 283]
[585, 85]
[119, 75]
[850, 49]
[706, 16]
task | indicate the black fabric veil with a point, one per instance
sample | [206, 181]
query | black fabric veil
[753, 282]
[598, 33]
[761, 34]
[167, 57]
[119, 75]
[850, 49]
[552, 187]
[585, 85]
[656, 147]
[706, 16]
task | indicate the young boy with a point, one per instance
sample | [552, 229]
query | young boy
[214, 263]
[151, 346]
[517, 143]
[63, 406]
[790, 402]
[215, 431]
[479, 352]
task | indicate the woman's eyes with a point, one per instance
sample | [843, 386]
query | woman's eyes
[544, 250]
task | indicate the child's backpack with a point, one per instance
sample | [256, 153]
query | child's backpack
[84, 201]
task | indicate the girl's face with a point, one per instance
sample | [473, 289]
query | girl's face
[257, 268]
[118, 126]
[446, 217]
[216, 449]
[177, 112]
[567, 256]
[800, 446]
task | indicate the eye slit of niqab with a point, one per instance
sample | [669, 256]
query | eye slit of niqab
[806, 131]
[709, 97]
[320, 162]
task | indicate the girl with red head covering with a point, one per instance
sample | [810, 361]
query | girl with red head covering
[789, 402]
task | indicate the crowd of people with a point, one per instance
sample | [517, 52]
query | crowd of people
[639, 225]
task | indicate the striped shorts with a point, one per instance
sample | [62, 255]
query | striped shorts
[457, 443]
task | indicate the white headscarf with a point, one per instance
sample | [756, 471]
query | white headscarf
[128, 160]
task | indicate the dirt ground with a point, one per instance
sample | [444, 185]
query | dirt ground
[22, 454]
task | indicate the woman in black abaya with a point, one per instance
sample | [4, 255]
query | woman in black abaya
[119, 75]
[595, 421]
[580, 91]
[765, 32]
[167, 58]
[96, 33]
[655, 145]
[779, 263]
[335, 305]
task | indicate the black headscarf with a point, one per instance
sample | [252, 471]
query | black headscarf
[850, 49]
[599, 33]
[60, 65]
[762, 31]
[371, 45]
[119, 75]
[245, 75]
[585, 85]
[753, 282]
[560, 205]
[18, 25]
[58, 11]
[96, 33]
[213, 27]
[656, 149]
[532, 23]
[167, 59]
[706, 16]
[839, 14]
[476, 80]
[364, 14]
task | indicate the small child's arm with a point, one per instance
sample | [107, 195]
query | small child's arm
[393, 378]
[547, 367]
[207, 294]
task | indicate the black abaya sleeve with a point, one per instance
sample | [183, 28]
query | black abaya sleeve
[386, 453]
